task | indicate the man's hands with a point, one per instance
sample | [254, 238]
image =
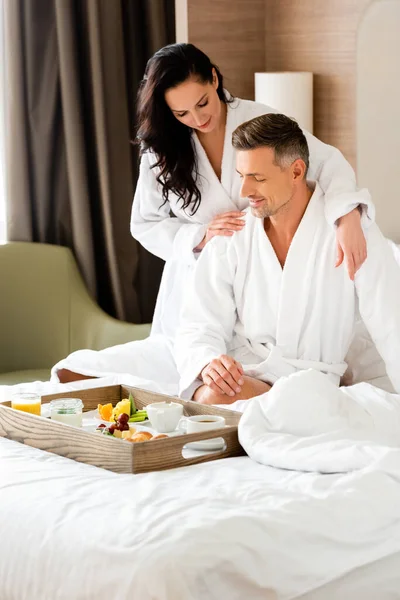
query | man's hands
[351, 244]
[223, 224]
[223, 375]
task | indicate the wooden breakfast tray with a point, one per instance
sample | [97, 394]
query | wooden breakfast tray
[115, 454]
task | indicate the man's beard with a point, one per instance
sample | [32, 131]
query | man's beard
[265, 211]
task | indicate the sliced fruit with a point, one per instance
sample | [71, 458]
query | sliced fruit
[123, 406]
[105, 411]
[133, 405]
[128, 434]
[138, 419]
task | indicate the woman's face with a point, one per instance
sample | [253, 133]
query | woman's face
[196, 104]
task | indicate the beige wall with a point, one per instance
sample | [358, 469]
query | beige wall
[320, 36]
[378, 114]
[232, 33]
[245, 36]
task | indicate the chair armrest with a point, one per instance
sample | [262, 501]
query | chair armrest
[91, 327]
[103, 331]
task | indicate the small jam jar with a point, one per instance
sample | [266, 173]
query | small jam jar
[67, 410]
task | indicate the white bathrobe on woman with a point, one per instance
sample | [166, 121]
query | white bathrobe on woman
[171, 233]
[277, 321]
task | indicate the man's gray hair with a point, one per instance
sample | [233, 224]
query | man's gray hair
[273, 131]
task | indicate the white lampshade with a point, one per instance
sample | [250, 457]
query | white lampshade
[289, 92]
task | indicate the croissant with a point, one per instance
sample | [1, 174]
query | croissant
[142, 436]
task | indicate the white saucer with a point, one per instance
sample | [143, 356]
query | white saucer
[213, 444]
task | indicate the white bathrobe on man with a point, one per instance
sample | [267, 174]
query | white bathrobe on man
[171, 232]
[278, 321]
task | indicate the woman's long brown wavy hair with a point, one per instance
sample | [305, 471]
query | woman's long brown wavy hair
[160, 132]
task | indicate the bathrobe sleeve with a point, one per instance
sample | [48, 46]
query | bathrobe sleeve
[152, 225]
[338, 181]
[209, 312]
[334, 174]
[378, 289]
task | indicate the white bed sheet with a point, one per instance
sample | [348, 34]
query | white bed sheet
[226, 529]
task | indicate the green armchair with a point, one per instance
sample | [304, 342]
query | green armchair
[46, 312]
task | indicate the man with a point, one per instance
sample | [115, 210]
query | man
[268, 302]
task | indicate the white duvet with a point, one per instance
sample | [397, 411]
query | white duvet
[306, 423]
[227, 529]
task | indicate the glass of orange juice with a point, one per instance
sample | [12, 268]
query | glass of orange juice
[27, 401]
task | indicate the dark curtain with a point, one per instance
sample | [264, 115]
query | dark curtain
[73, 71]
[157, 19]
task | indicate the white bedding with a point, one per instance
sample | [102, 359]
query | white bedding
[225, 529]
[228, 529]
[306, 423]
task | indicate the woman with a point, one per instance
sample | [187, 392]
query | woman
[189, 191]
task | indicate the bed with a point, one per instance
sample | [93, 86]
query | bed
[231, 528]
[226, 529]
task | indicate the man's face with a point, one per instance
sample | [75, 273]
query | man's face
[268, 187]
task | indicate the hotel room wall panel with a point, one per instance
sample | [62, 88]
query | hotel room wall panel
[232, 33]
[345, 44]
[320, 36]
[282, 35]
[378, 111]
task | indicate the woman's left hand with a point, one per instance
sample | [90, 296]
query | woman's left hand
[351, 243]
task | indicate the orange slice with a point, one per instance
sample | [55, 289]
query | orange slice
[105, 411]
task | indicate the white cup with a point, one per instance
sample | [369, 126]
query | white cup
[164, 416]
[199, 423]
